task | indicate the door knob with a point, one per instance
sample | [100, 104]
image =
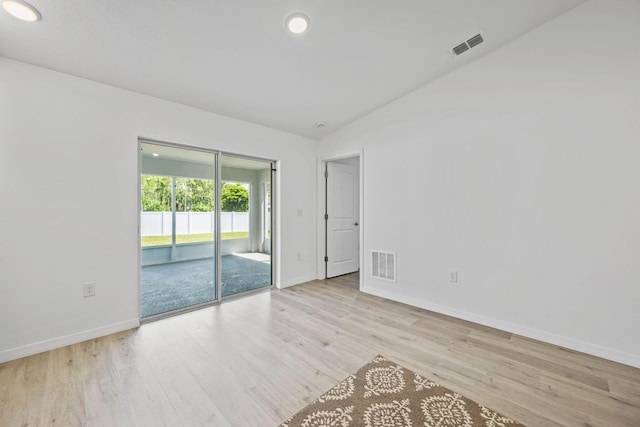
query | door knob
[355, 223]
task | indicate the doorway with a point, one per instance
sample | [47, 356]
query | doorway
[246, 217]
[342, 216]
[205, 227]
[177, 228]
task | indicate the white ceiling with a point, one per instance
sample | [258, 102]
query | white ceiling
[234, 57]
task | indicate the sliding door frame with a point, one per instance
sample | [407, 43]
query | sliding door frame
[217, 231]
[272, 163]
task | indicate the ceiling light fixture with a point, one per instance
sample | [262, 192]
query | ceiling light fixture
[21, 10]
[297, 23]
[155, 154]
[321, 125]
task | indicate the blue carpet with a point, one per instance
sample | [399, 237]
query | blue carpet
[167, 287]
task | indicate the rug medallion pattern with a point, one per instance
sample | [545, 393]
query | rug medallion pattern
[385, 394]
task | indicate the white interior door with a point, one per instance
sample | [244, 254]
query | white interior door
[342, 220]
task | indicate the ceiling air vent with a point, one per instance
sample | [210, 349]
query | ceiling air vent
[475, 40]
[461, 48]
[383, 265]
[465, 46]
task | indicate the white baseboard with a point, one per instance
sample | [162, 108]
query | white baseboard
[297, 281]
[53, 343]
[562, 341]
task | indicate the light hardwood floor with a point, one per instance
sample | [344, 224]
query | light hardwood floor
[257, 360]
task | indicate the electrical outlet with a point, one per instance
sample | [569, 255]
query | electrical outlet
[453, 277]
[89, 289]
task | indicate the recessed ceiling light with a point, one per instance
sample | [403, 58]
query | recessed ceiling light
[297, 23]
[155, 154]
[21, 10]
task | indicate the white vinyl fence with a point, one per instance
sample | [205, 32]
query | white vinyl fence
[159, 223]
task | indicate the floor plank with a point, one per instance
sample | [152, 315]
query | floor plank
[255, 361]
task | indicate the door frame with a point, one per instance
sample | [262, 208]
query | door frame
[322, 204]
[275, 224]
[275, 227]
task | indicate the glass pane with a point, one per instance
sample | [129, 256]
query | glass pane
[245, 225]
[156, 210]
[177, 228]
[234, 203]
[267, 211]
[194, 210]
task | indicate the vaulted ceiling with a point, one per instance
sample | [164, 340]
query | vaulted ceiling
[235, 57]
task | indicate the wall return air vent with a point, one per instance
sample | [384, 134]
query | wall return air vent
[383, 265]
[466, 45]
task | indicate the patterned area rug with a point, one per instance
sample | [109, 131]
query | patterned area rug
[384, 394]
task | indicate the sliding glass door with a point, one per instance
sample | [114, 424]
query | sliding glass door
[197, 248]
[245, 224]
[177, 227]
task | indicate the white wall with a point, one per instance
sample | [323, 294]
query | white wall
[524, 166]
[69, 146]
